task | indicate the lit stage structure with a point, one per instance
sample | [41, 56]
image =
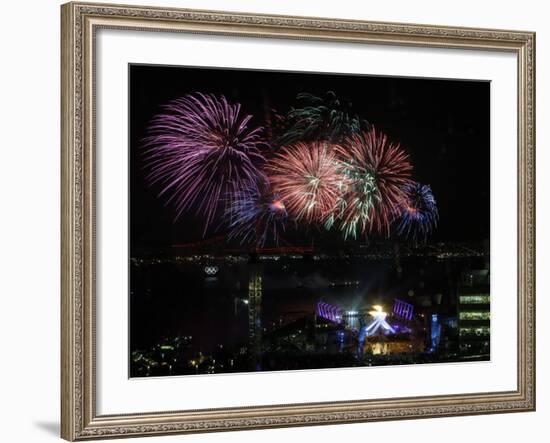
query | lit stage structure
[435, 333]
[371, 329]
[402, 310]
[362, 335]
[379, 322]
[328, 312]
[336, 315]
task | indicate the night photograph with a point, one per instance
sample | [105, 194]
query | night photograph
[298, 221]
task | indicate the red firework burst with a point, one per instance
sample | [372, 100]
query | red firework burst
[391, 169]
[306, 177]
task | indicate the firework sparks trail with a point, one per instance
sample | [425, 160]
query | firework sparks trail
[353, 207]
[256, 216]
[200, 150]
[380, 171]
[321, 118]
[419, 214]
[306, 177]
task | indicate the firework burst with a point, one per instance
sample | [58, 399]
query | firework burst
[200, 150]
[354, 205]
[419, 213]
[306, 176]
[321, 118]
[256, 216]
[379, 171]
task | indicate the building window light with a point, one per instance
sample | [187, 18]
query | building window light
[474, 299]
[475, 315]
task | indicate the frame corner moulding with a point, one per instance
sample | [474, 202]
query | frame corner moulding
[80, 22]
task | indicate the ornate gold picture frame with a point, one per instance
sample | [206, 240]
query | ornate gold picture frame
[80, 21]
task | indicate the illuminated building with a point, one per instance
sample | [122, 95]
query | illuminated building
[390, 347]
[254, 314]
[474, 316]
[352, 319]
[435, 332]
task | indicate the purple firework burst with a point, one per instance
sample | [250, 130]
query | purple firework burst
[419, 214]
[201, 151]
[256, 216]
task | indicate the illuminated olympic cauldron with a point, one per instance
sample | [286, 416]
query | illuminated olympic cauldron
[378, 322]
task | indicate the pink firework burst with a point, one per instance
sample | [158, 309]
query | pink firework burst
[306, 177]
[390, 168]
[201, 151]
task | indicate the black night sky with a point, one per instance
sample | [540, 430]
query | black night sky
[442, 124]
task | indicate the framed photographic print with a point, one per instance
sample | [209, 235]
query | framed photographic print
[282, 221]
